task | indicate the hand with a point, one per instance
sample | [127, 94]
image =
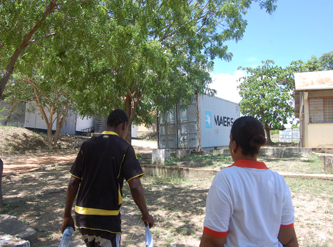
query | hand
[68, 221]
[148, 219]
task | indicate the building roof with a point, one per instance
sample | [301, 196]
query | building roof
[318, 80]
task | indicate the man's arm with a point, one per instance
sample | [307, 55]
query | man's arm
[287, 237]
[72, 189]
[140, 200]
[209, 241]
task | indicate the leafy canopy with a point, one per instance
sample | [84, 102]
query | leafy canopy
[142, 56]
[267, 95]
[153, 53]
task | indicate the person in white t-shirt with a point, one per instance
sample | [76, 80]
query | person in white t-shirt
[248, 205]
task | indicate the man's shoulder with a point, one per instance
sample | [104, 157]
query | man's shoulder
[93, 139]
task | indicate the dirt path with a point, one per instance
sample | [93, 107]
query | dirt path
[14, 164]
[27, 163]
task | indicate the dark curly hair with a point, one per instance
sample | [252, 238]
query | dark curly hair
[248, 133]
[117, 117]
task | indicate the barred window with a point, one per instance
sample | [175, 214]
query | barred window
[321, 110]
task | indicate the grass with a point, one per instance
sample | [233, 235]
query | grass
[160, 179]
[313, 187]
[310, 164]
[313, 203]
[9, 208]
[206, 160]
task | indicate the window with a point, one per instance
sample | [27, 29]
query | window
[321, 110]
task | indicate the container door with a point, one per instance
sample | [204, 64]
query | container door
[182, 129]
[193, 141]
[167, 132]
[187, 127]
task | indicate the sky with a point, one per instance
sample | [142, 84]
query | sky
[297, 30]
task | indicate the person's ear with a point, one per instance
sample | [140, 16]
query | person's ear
[124, 127]
[233, 146]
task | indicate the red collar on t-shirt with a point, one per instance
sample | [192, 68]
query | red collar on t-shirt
[250, 164]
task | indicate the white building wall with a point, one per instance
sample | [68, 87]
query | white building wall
[33, 117]
[134, 131]
[84, 123]
[73, 123]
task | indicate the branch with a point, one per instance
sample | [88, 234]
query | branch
[193, 20]
[45, 36]
[41, 108]
[35, 87]
[82, 1]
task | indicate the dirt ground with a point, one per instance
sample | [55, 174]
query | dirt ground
[35, 182]
[178, 205]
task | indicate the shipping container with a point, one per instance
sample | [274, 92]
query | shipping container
[74, 124]
[204, 124]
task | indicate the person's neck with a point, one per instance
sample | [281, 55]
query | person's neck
[246, 157]
[113, 129]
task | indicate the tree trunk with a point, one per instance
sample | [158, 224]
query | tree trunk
[60, 123]
[49, 135]
[268, 134]
[132, 101]
[128, 110]
[129, 133]
[9, 70]
[1, 171]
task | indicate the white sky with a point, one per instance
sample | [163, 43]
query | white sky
[226, 85]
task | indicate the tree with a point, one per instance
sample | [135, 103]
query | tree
[138, 55]
[267, 94]
[24, 23]
[326, 61]
[14, 95]
[45, 82]
[155, 53]
[52, 100]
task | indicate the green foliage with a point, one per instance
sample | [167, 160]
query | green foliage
[26, 24]
[267, 94]
[274, 132]
[142, 56]
[295, 126]
[155, 53]
[325, 62]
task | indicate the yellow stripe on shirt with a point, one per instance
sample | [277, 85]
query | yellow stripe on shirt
[74, 176]
[137, 176]
[95, 211]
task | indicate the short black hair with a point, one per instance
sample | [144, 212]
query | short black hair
[117, 117]
[248, 133]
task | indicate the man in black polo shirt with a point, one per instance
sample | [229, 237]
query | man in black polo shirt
[100, 168]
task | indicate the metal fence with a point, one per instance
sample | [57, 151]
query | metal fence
[289, 135]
